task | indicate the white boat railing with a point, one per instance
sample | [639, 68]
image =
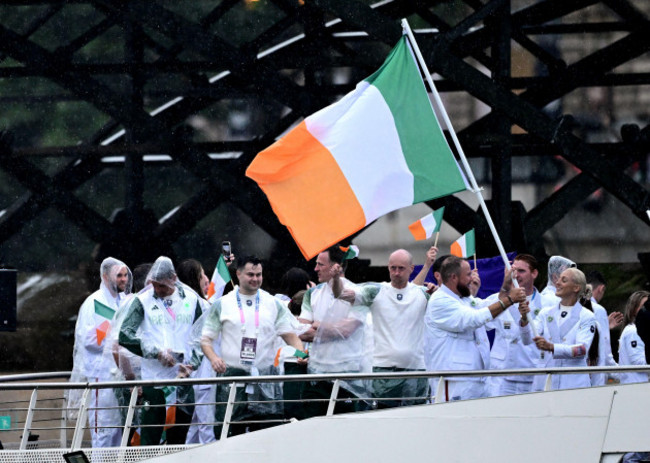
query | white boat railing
[40, 412]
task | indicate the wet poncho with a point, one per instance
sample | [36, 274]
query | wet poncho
[343, 340]
[556, 265]
[94, 326]
[161, 326]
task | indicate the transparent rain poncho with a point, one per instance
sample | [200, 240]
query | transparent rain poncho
[162, 272]
[343, 343]
[556, 265]
[160, 338]
[260, 398]
[96, 325]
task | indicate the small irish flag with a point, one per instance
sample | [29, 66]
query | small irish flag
[220, 278]
[351, 251]
[103, 316]
[464, 246]
[424, 228]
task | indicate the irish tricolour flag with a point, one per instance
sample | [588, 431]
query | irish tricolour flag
[220, 279]
[378, 149]
[424, 228]
[465, 246]
[103, 316]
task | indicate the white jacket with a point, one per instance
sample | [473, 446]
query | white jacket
[571, 343]
[454, 334]
[631, 351]
[508, 351]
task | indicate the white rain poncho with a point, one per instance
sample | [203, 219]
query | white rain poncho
[556, 265]
[225, 320]
[162, 272]
[158, 327]
[343, 344]
[95, 325]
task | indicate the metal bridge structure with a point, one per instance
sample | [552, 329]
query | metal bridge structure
[285, 59]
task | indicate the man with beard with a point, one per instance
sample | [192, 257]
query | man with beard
[454, 336]
[90, 364]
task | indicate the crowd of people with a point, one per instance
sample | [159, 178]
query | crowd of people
[156, 323]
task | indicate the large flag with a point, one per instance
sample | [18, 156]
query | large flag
[103, 316]
[220, 278]
[378, 149]
[424, 228]
[465, 246]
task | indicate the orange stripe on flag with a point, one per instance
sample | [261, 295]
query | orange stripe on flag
[101, 332]
[305, 185]
[170, 417]
[276, 361]
[418, 231]
[456, 250]
[211, 289]
[135, 439]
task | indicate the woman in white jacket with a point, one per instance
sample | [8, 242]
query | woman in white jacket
[631, 349]
[565, 332]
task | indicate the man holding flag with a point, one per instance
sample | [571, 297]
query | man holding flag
[508, 351]
[455, 337]
[90, 364]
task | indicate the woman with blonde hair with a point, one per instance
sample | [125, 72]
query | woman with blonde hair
[631, 348]
[565, 332]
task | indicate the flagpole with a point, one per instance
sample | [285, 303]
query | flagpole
[461, 153]
[435, 243]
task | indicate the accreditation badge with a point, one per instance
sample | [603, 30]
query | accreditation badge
[248, 351]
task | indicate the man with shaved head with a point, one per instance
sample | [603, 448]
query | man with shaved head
[398, 311]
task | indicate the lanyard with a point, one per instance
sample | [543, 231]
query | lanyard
[241, 312]
[168, 305]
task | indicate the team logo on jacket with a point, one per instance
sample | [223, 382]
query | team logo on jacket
[549, 319]
[400, 296]
[592, 328]
[633, 343]
[249, 303]
[563, 314]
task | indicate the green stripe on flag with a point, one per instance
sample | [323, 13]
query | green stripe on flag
[470, 243]
[424, 146]
[222, 269]
[104, 310]
[437, 216]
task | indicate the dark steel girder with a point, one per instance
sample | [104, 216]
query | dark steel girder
[567, 80]
[46, 192]
[552, 209]
[83, 85]
[534, 121]
[602, 165]
[193, 36]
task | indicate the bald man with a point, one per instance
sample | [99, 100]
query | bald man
[398, 311]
